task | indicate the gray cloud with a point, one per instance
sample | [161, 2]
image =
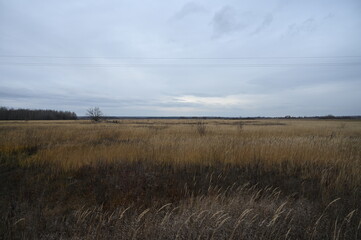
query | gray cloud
[267, 20]
[188, 9]
[227, 20]
[307, 26]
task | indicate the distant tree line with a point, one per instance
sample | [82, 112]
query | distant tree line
[325, 117]
[29, 114]
[236, 118]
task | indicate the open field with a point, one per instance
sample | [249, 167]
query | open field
[180, 179]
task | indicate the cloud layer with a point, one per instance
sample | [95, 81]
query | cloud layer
[189, 58]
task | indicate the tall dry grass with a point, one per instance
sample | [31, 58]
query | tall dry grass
[181, 179]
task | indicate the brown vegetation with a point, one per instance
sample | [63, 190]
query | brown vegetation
[180, 179]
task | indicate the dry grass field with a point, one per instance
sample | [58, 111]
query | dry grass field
[180, 179]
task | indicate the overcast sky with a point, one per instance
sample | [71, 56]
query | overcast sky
[182, 58]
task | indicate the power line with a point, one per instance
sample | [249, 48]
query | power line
[155, 65]
[180, 58]
[275, 61]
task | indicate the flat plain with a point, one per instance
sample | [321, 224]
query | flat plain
[181, 179]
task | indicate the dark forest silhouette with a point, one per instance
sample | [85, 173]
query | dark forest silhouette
[29, 114]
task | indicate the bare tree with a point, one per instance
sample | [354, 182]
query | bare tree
[94, 113]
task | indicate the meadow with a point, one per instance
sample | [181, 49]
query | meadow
[180, 179]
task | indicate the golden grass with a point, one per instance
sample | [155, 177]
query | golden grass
[72, 144]
[169, 179]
